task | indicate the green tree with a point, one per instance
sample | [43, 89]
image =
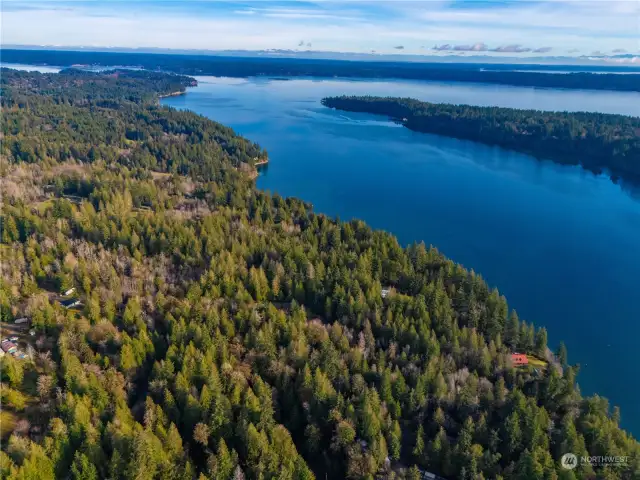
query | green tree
[223, 465]
[82, 468]
[418, 448]
[561, 354]
[541, 343]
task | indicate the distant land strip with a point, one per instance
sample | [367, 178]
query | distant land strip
[598, 142]
[238, 66]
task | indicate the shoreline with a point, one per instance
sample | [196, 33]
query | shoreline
[256, 168]
[253, 173]
[172, 94]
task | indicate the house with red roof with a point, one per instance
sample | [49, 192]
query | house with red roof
[519, 359]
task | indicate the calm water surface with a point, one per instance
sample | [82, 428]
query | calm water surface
[31, 68]
[560, 243]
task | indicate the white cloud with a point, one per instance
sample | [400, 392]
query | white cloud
[629, 60]
[76, 28]
[360, 26]
[560, 15]
[515, 48]
[476, 47]
[301, 13]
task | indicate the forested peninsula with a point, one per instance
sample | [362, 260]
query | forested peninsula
[179, 323]
[244, 66]
[596, 141]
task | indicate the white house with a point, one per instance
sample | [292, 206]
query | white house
[70, 291]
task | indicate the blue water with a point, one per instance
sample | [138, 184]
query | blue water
[31, 68]
[559, 242]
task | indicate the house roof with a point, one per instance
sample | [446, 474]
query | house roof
[519, 358]
[69, 302]
[7, 346]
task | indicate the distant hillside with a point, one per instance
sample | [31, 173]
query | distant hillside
[245, 67]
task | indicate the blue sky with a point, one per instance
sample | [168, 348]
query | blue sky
[434, 27]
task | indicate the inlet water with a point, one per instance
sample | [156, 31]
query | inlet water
[559, 242]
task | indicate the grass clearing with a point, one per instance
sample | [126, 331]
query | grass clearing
[537, 362]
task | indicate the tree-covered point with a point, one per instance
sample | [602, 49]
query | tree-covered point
[76, 115]
[596, 141]
[225, 333]
[73, 85]
[242, 66]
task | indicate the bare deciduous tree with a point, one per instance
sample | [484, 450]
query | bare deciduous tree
[201, 434]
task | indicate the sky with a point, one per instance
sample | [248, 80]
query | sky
[521, 28]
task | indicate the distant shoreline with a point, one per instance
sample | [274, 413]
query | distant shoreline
[280, 68]
[597, 142]
[172, 94]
